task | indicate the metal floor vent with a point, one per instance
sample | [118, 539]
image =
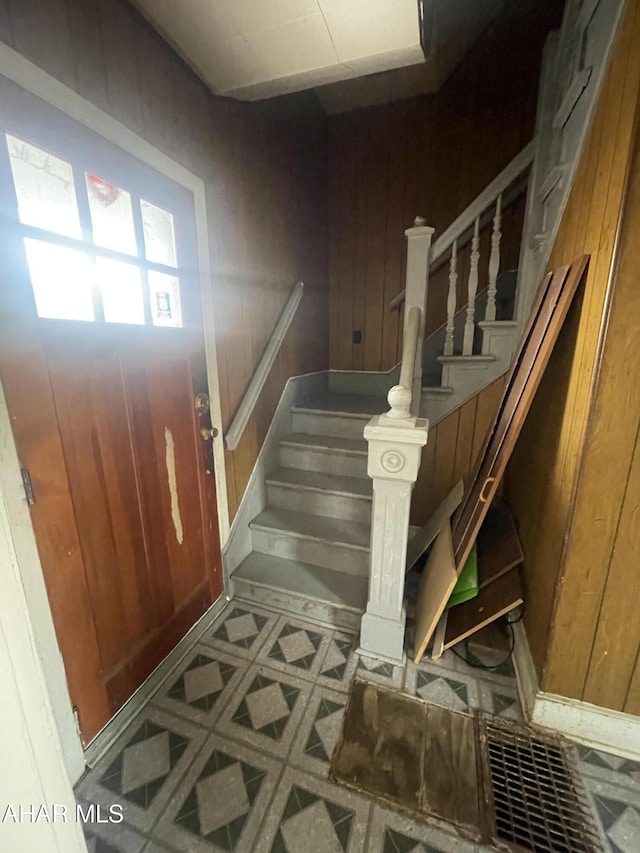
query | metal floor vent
[535, 797]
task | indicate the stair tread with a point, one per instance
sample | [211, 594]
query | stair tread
[469, 359]
[327, 442]
[437, 390]
[352, 404]
[334, 483]
[498, 324]
[313, 582]
[354, 534]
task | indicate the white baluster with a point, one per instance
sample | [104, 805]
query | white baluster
[472, 288]
[494, 262]
[451, 299]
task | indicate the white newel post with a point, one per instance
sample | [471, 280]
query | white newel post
[395, 442]
[416, 286]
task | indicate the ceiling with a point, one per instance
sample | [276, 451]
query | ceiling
[254, 49]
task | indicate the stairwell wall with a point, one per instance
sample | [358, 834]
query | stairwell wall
[264, 166]
[573, 480]
[430, 156]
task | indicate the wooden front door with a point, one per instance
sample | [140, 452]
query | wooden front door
[101, 358]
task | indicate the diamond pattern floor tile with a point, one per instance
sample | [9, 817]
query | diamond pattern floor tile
[241, 630]
[319, 731]
[296, 647]
[391, 832]
[311, 815]
[610, 768]
[266, 709]
[340, 662]
[221, 802]
[111, 837]
[198, 769]
[202, 684]
[380, 672]
[143, 766]
[448, 689]
[618, 810]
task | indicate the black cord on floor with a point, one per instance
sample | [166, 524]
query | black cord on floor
[486, 666]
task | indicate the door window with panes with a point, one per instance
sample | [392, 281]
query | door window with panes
[96, 250]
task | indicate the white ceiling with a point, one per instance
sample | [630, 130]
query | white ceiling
[253, 49]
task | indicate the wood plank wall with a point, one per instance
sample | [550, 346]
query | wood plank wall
[573, 481]
[264, 166]
[430, 156]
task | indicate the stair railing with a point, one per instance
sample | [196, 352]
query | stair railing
[486, 208]
[255, 386]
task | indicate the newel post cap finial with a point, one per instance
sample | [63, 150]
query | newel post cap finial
[419, 222]
[399, 399]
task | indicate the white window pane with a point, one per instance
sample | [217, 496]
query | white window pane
[121, 288]
[111, 215]
[165, 299]
[159, 236]
[44, 188]
[62, 281]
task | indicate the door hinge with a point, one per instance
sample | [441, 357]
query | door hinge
[28, 486]
[76, 719]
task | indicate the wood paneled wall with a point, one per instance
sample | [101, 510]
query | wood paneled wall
[264, 166]
[429, 156]
[574, 477]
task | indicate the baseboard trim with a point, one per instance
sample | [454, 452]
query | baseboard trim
[590, 725]
[526, 675]
[117, 724]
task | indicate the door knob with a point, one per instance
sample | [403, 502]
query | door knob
[208, 432]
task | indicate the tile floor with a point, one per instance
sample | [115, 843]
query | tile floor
[232, 752]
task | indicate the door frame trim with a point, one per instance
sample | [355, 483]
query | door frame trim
[29, 76]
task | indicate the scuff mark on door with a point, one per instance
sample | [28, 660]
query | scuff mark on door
[173, 484]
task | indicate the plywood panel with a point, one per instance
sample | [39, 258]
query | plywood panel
[567, 529]
[455, 142]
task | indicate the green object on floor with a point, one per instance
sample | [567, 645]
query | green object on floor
[467, 585]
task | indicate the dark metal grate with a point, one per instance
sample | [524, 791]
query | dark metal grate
[536, 799]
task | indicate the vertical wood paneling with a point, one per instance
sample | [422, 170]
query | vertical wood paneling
[5, 24]
[118, 44]
[86, 50]
[568, 478]
[42, 29]
[264, 166]
[455, 142]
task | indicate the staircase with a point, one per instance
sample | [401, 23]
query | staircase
[310, 544]
[301, 539]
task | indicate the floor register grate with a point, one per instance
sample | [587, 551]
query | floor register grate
[534, 795]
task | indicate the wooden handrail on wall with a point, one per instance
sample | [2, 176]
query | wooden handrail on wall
[251, 395]
[463, 226]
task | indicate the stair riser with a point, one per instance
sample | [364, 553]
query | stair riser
[328, 425]
[340, 617]
[325, 461]
[319, 503]
[331, 555]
